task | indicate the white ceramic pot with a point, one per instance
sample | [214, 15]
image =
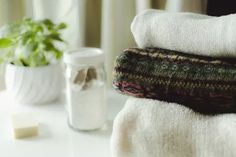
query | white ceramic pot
[33, 85]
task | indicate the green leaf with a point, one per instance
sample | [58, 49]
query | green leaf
[5, 42]
[56, 37]
[27, 19]
[59, 55]
[48, 22]
[61, 26]
[38, 29]
[18, 62]
[41, 36]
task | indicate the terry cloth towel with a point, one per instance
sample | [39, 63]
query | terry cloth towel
[186, 32]
[151, 128]
[205, 84]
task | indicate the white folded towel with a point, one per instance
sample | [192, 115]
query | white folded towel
[186, 32]
[150, 128]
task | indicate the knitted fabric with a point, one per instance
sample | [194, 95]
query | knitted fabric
[205, 84]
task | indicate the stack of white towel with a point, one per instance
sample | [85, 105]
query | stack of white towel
[151, 128]
[186, 32]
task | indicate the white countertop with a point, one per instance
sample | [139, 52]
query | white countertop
[55, 138]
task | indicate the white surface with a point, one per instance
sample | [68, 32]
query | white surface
[55, 138]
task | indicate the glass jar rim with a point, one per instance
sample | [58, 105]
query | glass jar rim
[84, 56]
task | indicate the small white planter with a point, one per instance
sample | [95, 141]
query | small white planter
[33, 85]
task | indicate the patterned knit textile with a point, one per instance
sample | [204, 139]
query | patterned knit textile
[205, 84]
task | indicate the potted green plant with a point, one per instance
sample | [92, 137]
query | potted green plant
[31, 51]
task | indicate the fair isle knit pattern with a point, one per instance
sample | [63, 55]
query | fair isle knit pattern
[205, 84]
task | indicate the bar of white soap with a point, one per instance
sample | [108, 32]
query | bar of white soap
[24, 125]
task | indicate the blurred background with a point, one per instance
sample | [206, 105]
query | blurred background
[101, 23]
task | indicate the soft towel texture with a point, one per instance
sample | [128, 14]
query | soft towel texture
[186, 32]
[150, 128]
[205, 84]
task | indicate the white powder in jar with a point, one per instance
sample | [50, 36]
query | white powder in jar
[86, 108]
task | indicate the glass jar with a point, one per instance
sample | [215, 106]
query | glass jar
[85, 88]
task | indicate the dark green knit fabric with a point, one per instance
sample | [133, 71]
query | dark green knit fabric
[205, 84]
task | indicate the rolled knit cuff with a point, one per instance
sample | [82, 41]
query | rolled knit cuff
[205, 84]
